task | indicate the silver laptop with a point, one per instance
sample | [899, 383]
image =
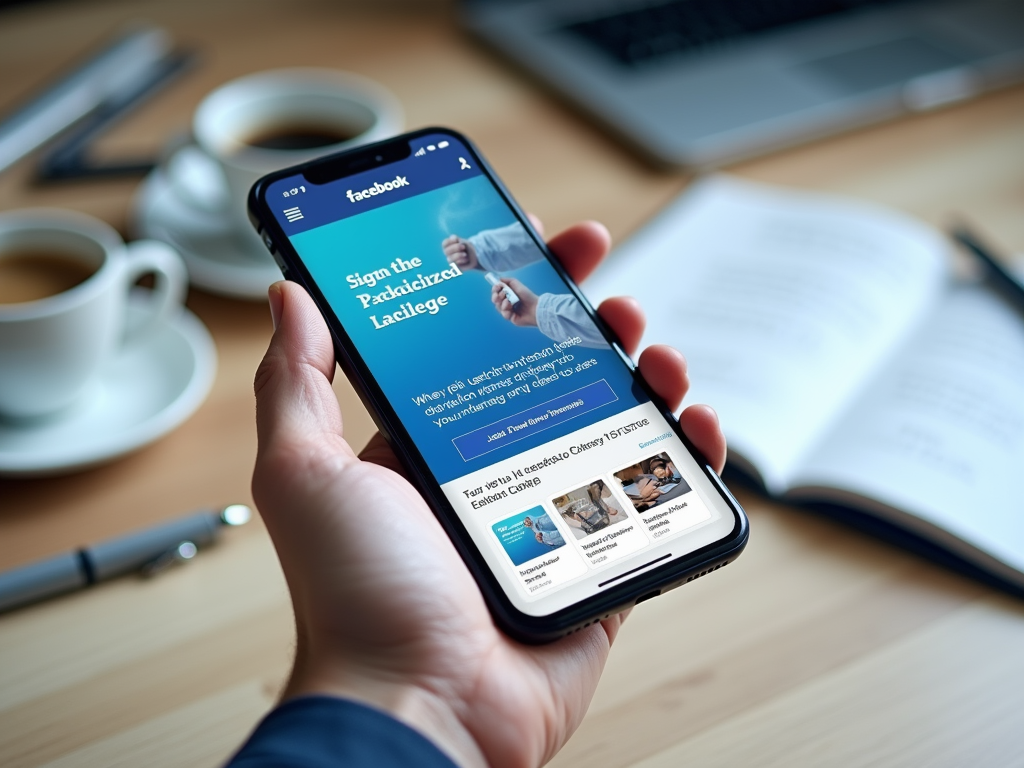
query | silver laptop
[699, 83]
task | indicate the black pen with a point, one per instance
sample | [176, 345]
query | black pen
[148, 552]
[1002, 279]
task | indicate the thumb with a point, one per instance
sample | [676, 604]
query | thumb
[294, 399]
[515, 285]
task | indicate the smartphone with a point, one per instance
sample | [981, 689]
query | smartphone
[563, 480]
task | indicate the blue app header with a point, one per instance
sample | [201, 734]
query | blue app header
[467, 328]
[436, 161]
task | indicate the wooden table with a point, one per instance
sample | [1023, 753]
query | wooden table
[818, 647]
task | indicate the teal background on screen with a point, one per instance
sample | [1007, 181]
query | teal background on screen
[429, 352]
[520, 542]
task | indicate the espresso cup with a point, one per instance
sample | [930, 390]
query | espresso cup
[269, 120]
[64, 284]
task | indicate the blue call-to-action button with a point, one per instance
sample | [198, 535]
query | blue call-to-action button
[533, 420]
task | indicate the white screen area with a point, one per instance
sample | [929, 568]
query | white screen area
[558, 523]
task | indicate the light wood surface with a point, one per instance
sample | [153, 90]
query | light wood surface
[817, 647]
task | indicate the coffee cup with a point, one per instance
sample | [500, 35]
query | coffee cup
[64, 285]
[269, 120]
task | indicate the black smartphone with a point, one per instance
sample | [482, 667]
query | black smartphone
[565, 483]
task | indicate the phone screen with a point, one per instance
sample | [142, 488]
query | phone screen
[565, 474]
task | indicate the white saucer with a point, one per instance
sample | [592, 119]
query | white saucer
[219, 259]
[147, 390]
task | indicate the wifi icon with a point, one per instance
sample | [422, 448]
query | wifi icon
[420, 151]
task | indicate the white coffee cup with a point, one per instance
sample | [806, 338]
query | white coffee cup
[53, 348]
[215, 171]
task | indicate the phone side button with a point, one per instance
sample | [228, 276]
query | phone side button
[269, 243]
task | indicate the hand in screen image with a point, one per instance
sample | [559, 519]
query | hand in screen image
[388, 614]
[652, 481]
[524, 312]
[544, 531]
[589, 509]
[505, 249]
[461, 252]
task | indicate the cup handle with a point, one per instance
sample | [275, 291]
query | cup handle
[196, 177]
[170, 281]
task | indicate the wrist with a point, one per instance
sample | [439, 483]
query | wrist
[541, 309]
[408, 702]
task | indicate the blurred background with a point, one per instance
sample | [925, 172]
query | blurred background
[176, 670]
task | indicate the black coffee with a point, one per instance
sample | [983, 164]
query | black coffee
[299, 137]
[29, 275]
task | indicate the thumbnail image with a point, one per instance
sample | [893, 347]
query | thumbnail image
[491, 252]
[528, 535]
[588, 509]
[652, 481]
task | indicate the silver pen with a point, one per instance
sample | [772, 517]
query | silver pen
[148, 552]
[79, 93]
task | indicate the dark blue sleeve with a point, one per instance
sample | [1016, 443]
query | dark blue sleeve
[323, 732]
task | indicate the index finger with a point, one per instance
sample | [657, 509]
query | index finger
[581, 248]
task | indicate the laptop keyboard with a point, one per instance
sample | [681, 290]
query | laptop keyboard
[641, 35]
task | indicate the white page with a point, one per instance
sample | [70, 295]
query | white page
[783, 302]
[940, 433]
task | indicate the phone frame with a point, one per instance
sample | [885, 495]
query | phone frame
[521, 626]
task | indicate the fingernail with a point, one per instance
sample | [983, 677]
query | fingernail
[276, 299]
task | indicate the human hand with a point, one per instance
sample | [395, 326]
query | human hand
[460, 251]
[524, 313]
[386, 612]
[647, 490]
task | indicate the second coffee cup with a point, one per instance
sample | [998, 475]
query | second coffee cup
[269, 120]
[63, 304]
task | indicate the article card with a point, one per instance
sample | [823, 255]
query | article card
[660, 496]
[536, 546]
[599, 522]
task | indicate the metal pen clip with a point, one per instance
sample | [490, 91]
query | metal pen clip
[233, 515]
[181, 553]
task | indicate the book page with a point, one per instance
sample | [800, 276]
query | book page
[784, 303]
[940, 433]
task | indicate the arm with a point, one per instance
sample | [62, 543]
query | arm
[561, 317]
[557, 316]
[505, 248]
[647, 488]
[327, 732]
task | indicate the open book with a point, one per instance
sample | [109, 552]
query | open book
[847, 365]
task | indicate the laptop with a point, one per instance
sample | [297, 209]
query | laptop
[700, 83]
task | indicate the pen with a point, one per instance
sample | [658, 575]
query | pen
[147, 551]
[69, 156]
[1007, 284]
[80, 92]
